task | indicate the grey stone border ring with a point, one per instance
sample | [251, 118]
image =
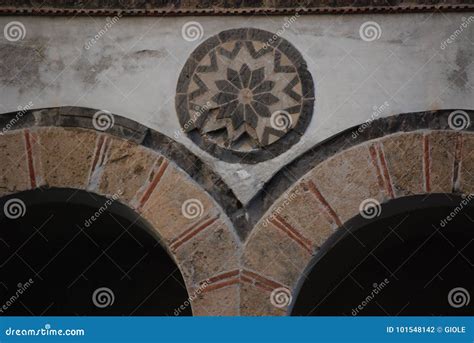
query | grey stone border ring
[245, 95]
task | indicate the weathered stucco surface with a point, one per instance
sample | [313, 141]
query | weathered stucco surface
[133, 69]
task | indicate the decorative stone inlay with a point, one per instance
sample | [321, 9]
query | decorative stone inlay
[245, 95]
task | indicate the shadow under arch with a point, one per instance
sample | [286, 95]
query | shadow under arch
[406, 260]
[72, 252]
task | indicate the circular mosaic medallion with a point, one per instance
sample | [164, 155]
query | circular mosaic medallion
[245, 95]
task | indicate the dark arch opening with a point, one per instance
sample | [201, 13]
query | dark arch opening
[407, 261]
[55, 263]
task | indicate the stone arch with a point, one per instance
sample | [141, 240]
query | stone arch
[394, 157]
[60, 148]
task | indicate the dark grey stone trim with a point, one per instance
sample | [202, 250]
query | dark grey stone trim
[79, 117]
[292, 172]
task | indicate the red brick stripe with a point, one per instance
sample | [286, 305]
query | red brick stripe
[386, 174]
[383, 176]
[98, 148]
[426, 162]
[246, 279]
[191, 232]
[105, 150]
[29, 153]
[260, 281]
[334, 217]
[236, 276]
[161, 165]
[457, 162]
[222, 276]
[220, 285]
[375, 164]
[101, 151]
[284, 226]
[222, 280]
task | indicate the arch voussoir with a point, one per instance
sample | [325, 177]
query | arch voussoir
[274, 253]
[61, 157]
[440, 154]
[404, 156]
[14, 167]
[463, 180]
[342, 182]
[120, 166]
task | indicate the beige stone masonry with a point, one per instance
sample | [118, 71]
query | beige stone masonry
[442, 154]
[14, 176]
[350, 174]
[65, 156]
[404, 156]
[126, 169]
[465, 172]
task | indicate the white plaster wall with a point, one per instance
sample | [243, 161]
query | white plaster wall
[132, 71]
